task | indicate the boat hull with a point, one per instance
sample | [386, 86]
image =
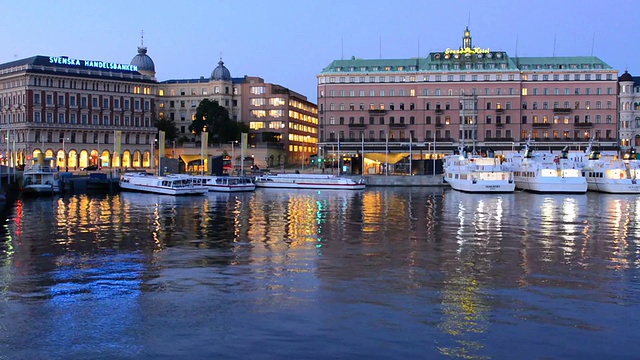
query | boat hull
[576, 185]
[310, 185]
[483, 186]
[625, 186]
[161, 190]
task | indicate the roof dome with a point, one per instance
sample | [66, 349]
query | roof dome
[143, 61]
[221, 72]
[626, 76]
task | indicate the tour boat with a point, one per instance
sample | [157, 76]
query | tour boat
[224, 183]
[545, 172]
[610, 174]
[41, 178]
[166, 185]
[477, 174]
[309, 181]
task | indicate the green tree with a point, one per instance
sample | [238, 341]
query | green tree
[169, 127]
[215, 119]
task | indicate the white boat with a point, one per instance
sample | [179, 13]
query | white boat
[42, 177]
[166, 185]
[477, 174]
[544, 172]
[224, 183]
[309, 181]
[610, 174]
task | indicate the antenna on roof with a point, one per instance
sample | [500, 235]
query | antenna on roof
[593, 40]
[469, 20]
[554, 45]
[517, 61]
[341, 49]
[380, 44]
[141, 37]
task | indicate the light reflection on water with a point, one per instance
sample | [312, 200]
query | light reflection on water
[381, 273]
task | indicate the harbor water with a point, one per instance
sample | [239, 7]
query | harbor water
[383, 273]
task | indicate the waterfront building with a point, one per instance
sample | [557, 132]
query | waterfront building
[75, 110]
[629, 94]
[283, 124]
[390, 108]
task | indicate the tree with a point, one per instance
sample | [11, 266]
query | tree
[168, 126]
[215, 119]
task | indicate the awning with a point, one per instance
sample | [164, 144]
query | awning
[189, 158]
[382, 158]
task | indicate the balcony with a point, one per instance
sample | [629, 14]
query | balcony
[377, 111]
[562, 110]
[499, 124]
[438, 124]
[583, 124]
[357, 126]
[439, 111]
[397, 125]
[541, 125]
[499, 111]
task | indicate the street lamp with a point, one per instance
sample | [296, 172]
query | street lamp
[233, 158]
[173, 154]
[64, 155]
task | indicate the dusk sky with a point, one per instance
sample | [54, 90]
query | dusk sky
[289, 42]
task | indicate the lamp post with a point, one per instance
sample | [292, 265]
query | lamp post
[64, 155]
[173, 154]
[233, 155]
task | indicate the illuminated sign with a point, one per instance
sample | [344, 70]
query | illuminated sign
[90, 63]
[475, 50]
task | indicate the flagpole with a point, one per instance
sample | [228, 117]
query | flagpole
[362, 135]
[410, 153]
[339, 157]
[433, 157]
[386, 154]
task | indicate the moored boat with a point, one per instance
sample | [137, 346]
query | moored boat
[309, 181]
[610, 174]
[477, 174]
[166, 185]
[41, 178]
[544, 172]
[224, 183]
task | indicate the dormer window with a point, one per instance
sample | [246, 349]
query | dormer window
[387, 68]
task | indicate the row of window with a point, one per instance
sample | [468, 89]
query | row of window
[467, 65]
[464, 77]
[95, 103]
[194, 92]
[195, 103]
[446, 120]
[85, 119]
[488, 106]
[72, 138]
[403, 135]
[89, 85]
[474, 91]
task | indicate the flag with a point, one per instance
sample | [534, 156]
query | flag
[161, 140]
[117, 142]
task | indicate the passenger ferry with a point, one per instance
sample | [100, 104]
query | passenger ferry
[545, 172]
[477, 174]
[610, 174]
[309, 181]
[224, 183]
[166, 185]
[42, 178]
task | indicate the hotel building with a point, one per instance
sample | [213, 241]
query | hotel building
[474, 95]
[71, 109]
[282, 122]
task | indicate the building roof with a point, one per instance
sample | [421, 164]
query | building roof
[201, 80]
[626, 77]
[143, 61]
[221, 72]
[64, 65]
[443, 61]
